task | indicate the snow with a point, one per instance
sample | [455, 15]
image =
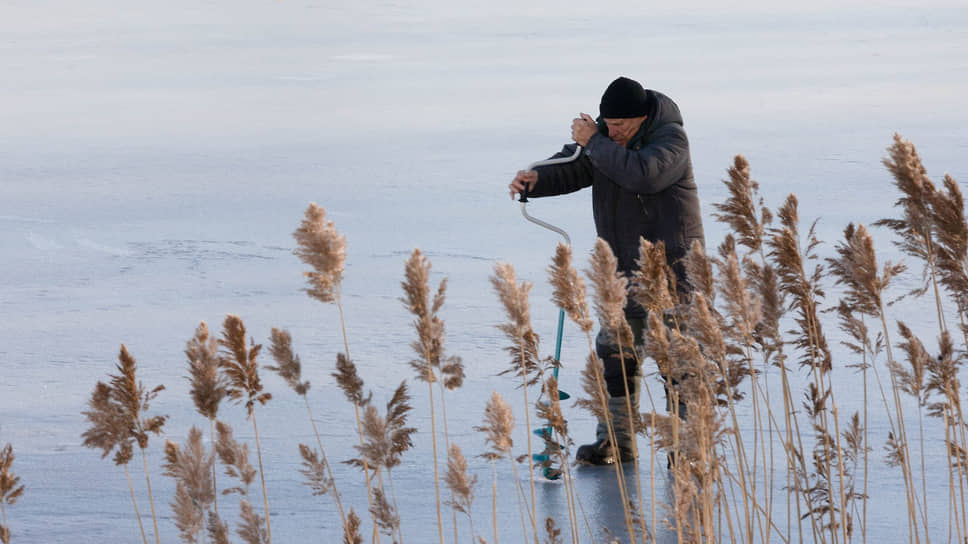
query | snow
[156, 159]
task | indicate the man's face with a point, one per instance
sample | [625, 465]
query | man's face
[622, 130]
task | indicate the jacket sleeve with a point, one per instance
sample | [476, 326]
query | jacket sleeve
[650, 169]
[564, 178]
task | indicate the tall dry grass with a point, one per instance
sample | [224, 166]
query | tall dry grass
[739, 443]
[431, 365]
[208, 387]
[239, 362]
[289, 368]
[523, 351]
[10, 490]
[118, 419]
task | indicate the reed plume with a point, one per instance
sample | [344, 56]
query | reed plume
[218, 530]
[557, 426]
[252, 528]
[349, 381]
[523, 349]
[947, 209]
[235, 456]
[553, 532]
[569, 288]
[431, 363]
[593, 385]
[460, 484]
[384, 442]
[10, 489]
[497, 428]
[739, 211]
[238, 360]
[743, 321]
[429, 347]
[802, 286]
[569, 294]
[316, 471]
[610, 293]
[943, 383]
[860, 344]
[699, 271]
[191, 468]
[914, 227]
[117, 414]
[911, 380]
[290, 369]
[208, 386]
[323, 248]
[352, 534]
[610, 298]
[376, 443]
[386, 516]
[653, 282]
[856, 268]
[553, 460]
[696, 439]
[399, 435]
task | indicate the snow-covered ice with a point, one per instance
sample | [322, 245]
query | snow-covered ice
[155, 160]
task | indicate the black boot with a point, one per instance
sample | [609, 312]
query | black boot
[602, 453]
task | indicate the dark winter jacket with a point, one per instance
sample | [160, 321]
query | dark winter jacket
[645, 189]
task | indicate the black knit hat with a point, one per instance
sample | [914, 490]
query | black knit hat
[624, 98]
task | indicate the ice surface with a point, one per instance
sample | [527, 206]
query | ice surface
[155, 160]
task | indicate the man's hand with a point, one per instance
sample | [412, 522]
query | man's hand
[583, 128]
[523, 176]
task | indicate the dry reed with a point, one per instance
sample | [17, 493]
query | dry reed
[218, 530]
[290, 369]
[461, 484]
[191, 468]
[709, 358]
[610, 297]
[324, 249]
[118, 421]
[497, 428]
[238, 361]
[384, 442]
[523, 349]
[208, 386]
[235, 456]
[429, 345]
[352, 534]
[10, 489]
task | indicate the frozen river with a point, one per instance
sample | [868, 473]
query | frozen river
[155, 160]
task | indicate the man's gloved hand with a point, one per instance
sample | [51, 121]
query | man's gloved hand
[583, 128]
[529, 177]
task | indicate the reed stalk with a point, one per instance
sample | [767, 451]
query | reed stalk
[208, 386]
[118, 420]
[134, 501]
[429, 344]
[289, 367]
[238, 362]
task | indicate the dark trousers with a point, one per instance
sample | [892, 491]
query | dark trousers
[607, 350]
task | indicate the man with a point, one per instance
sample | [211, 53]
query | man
[636, 160]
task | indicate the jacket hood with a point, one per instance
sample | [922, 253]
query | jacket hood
[662, 112]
